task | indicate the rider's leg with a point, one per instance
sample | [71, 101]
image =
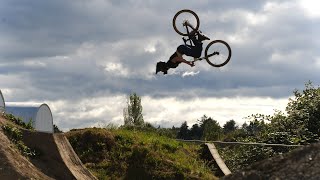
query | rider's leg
[197, 48]
[184, 49]
[196, 41]
[193, 51]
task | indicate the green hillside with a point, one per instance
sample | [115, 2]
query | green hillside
[133, 154]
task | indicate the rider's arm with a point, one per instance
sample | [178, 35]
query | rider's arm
[180, 59]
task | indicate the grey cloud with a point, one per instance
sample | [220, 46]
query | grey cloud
[41, 28]
[61, 49]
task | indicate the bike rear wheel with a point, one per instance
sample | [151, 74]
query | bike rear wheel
[185, 15]
[218, 53]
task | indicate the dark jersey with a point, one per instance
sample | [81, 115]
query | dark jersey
[171, 64]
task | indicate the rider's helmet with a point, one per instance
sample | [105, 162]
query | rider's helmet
[162, 66]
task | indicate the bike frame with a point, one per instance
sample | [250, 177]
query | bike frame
[186, 40]
[190, 41]
[224, 55]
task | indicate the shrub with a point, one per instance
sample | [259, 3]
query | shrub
[92, 145]
[19, 121]
[15, 135]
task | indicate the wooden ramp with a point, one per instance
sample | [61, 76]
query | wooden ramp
[218, 159]
[71, 159]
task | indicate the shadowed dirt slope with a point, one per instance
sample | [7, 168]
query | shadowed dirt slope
[15, 166]
[56, 160]
[301, 163]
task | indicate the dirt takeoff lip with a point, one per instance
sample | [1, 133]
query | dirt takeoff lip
[57, 159]
[71, 159]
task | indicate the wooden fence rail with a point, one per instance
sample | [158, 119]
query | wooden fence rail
[240, 143]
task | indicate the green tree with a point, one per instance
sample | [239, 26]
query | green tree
[211, 129]
[257, 127]
[195, 132]
[184, 131]
[133, 112]
[304, 113]
[244, 126]
[299, 125]
[229, 126]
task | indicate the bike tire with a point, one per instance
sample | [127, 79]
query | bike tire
[224, 62]
[185, 11]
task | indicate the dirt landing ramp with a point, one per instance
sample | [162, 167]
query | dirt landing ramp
[15, 166]
[57, 159]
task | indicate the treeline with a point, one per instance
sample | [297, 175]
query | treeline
[206, 129]
[299, 125]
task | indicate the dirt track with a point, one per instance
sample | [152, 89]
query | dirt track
[57, 159]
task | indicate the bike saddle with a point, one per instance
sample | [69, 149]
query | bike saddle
[202, 37]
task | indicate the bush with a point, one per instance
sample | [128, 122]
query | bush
[140, 154]
[92, 145]
[15, 135]
[19, 122]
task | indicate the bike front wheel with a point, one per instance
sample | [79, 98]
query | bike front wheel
[185, 15]
[218, 53]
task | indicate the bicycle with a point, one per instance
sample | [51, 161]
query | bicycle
[217, 53]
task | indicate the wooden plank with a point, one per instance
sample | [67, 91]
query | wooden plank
[214, 152]
[71, 159]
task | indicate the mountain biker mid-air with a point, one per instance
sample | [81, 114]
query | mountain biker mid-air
[188, 50]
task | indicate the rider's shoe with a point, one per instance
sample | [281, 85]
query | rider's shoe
[202, 37]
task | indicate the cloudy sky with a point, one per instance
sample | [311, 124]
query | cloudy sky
[83, 58]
